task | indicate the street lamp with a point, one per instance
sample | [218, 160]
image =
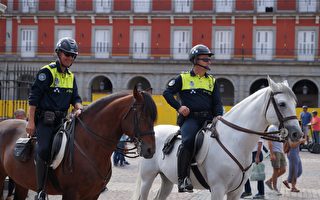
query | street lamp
[139, 86]
[305, 90]
[101, 86]
[221, 88]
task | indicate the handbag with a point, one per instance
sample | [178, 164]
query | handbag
[258, 173]
[23, 149]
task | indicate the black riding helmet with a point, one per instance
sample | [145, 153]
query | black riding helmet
[67, 45]
[199, 49]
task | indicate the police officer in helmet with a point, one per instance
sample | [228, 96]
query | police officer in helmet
[53, 91]
[200, 101]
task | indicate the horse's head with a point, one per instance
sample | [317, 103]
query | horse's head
[281, 110]
[138, 122]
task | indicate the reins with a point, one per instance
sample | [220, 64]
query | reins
[107, 143]
[265, 135]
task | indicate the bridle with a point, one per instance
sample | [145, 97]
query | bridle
[265, 135]
[278, 113]
[107, 142]
[137, 131]
[136, 121]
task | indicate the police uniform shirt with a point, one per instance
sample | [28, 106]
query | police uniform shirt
[197, 93]
[53, 89]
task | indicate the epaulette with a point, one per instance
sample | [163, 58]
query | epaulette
[185, 72]
[52, 65]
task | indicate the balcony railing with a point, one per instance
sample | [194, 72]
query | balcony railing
[283, 54]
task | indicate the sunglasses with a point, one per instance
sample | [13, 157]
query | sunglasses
[204, 59]
[67, 54]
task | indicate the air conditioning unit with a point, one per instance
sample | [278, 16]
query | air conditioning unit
[269, 9]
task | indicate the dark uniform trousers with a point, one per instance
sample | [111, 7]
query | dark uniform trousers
[189, 129]
[45, 135]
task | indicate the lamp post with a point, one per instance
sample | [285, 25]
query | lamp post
[305, 90]
[221, 88]
[139, 86]
[101, 86]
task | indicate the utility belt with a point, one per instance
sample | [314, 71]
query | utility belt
[202, 114]
[51, 117]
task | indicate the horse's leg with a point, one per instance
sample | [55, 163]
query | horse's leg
[143, 185]
[165, 189]
[20, 193]
[70, 196]
[235, 194]
[217, 192]
[2, 179]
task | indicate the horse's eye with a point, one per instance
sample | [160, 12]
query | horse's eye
[282, 104]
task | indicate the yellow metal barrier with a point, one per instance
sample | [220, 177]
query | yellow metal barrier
[166, 114]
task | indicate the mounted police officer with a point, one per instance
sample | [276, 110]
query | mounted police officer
[200, 101]
[51, 94]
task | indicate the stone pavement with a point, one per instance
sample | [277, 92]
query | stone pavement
[122, 183]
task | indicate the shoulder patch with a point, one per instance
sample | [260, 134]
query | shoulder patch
[172, 82]
[42, 76]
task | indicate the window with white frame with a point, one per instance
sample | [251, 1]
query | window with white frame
[140, 44]
[223, 44]
[61, 33]
[308, 5]
[263, 4]
[224, 5]
[28, 6]
[181, 44]
[182, 6]
[103, 6]
[306, 45]
[28, 42]
[66, 5]
[102, 43]
[264, 44]
[141, 6]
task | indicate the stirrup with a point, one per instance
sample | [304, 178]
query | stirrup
[185, 185]
[40, 196]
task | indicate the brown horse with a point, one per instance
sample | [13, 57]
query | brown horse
[96, 137]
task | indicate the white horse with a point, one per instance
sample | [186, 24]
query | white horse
[238, 131]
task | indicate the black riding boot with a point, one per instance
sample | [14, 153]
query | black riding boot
[41, 172]
[184, 182]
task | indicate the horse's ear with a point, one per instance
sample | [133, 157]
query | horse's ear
[272, 84]
[137, 95]
[285, 82]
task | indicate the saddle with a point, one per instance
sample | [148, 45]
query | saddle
[63, 139]
[172, 138]
[198, 142]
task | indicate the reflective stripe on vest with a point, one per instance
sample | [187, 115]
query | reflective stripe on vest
[60, 80]
[194, 82]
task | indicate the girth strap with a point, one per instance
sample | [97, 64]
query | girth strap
[198, 175]
[216, 136]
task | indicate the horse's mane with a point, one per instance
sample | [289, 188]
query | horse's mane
[281, 87]
[149, 105]
[97, 105]
[278, 88]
